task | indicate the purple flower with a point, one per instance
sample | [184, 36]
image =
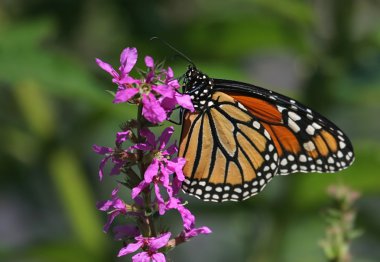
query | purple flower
[188, 219]
[128, 60]
[161, 167]
[188, 234]
[170, 102]
[117, 156]
[150, 245]
[115, 204]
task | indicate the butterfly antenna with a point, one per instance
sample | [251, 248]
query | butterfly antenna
[174, 49]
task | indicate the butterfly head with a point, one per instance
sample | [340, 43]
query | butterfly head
[199, 86]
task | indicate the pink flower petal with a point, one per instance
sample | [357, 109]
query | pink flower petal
[116, 168]
[195, 232]
[149, 61]
[125, 95]
[184, 101]
[137, 190]
[102, 150]
[101, 167]
[141, 257]
[170, 73]
[158, 257]
[164, 90]
[165, 137]
[111, 217]
[150, 137]
[104, 205]
[122, 136]
[107, 67]
[171, 150]
[159, 242]
[176, 165]
[152, 110]
[160, 200]
[128, 59]
[151, 171]
[130, 248]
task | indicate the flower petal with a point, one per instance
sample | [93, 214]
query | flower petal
[152, 110]
[171, 150]
[151, 171]
[168, 103]
[184, 101]
[174, 84]
[160, 200]
[137, 190]
[101, 167]
[107, 67]
[104, 205]
[116, 169]
[128, 59]
[130, 248]
[141, 257]
[150, 137]
[122, 136]
[187, 218]
[102, 150]
[195, 232]
[158, 257]
[170, 73]
[159, 242]
[111, 217]
[164, 90]
[125, 95]
[165, 137]
[176, 165]
[149, 61]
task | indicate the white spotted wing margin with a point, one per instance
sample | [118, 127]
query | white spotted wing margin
[230, 156]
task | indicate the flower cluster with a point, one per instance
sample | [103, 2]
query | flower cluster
[155, 190]
[157, 90]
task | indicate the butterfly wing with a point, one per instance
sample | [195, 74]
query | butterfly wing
[305, 140]
[230, 155]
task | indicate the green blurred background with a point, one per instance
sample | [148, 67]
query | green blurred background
[53, 107]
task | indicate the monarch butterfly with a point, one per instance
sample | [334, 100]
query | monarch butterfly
[241, 136]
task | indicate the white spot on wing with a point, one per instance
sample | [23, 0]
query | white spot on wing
[294, 116]
[309, 146]
[293, 125]
[310, 130]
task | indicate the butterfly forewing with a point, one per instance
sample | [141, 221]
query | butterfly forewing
[230, 155]
[305, 140]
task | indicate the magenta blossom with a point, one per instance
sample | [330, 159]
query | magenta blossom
[158, 90]
[117, 156]
[188, 219]
[161, 166]
[128, 60]
[151, 245]
[115, 204]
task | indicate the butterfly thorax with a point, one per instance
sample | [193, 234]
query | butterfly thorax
[199, 86]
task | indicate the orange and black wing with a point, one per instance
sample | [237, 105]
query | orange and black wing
[305, 141]
[230, 154]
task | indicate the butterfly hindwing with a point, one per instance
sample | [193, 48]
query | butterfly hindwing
[230, 155]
